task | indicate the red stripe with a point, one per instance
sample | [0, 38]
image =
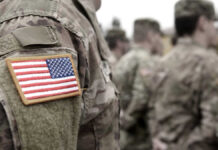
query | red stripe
[50, 89]
[43, 96]
[30, 66]
[32, 72]
[34, 78]
[36, 60]
[47, 83]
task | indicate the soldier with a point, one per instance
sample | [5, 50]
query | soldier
[147, 43]
[46, 43]
[184, 87]
[118, 43]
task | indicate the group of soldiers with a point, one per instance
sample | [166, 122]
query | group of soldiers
[170, 102]
[132, 96]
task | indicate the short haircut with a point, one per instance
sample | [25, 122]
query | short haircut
[188, 12]
[186, 25]
[113, 36]
[142, 27]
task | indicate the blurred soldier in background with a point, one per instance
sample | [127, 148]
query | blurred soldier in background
[147, 43]
[30, 28]
[117, 41]
[184, 86]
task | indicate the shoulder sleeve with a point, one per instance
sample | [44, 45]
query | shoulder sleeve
[6, 140]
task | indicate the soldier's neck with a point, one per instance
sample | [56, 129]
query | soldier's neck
[145, 45]
[200, 39]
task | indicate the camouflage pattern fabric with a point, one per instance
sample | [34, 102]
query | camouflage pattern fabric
[136, 116]
[125, 72]
[134, 128]
[99, 126]
[185, 91]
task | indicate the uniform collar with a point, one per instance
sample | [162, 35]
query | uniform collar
[189, 41]
[138, 46]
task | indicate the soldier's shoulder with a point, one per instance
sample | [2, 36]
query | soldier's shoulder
[190, 55]
[128, 57]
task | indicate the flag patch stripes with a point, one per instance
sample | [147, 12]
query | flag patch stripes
[45, 78]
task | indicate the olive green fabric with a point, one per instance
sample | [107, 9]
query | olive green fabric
[8, 43]
[8, 123]
[16, 8]
[52, 125]
[99, 127]
[27, 36]
[36, 132]
[38, 35]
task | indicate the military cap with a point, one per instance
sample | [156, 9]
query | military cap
[141, 24]
[186, 8]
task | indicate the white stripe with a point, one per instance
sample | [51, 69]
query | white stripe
[48, 86]
[28, 63]
[33, 75]
[30, 69]
[50, 92]
[45, 80]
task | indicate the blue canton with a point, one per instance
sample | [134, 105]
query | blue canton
[60, 67]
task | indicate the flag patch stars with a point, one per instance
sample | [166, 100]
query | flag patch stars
[60, 67]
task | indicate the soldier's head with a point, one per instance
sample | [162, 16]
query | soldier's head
[148, 30]
[117, 40]
[195, 17]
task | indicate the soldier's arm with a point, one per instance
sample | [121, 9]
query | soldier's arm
[138, 104]
[124, 70]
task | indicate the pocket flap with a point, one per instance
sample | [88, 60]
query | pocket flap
[36, 35]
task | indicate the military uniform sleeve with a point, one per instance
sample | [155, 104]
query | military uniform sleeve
[141, 92]
[124, 70]
[6, 140]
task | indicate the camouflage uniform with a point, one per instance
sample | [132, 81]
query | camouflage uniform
[125, 72]
[135, 120]
[38, 28]
[186, 106]
[134, 133]
[185, 91]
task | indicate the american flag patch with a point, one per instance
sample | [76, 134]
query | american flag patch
[46, 78]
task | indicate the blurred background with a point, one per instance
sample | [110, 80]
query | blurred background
[129, 10]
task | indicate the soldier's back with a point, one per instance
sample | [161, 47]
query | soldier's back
[185, 96]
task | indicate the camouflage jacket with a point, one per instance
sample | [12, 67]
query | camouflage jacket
[136, 116]
[75, 31]
[125, 72]
[186, 99]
